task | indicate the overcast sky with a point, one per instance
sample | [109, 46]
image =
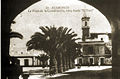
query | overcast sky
[66, 13]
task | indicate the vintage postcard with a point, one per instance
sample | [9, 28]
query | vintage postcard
[61, 39]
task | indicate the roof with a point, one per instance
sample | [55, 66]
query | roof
[92, 43]
[101, 33]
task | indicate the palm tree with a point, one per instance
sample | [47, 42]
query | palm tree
[43, 58]
[14, 70]
[15, 34]
[56, 42]
[45, 41]
[67, 40]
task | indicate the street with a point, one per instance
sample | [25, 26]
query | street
[85, 72]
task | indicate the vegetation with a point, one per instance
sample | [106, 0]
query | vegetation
[15, 35]
[14, 68]
[59, 44]
[43, 58]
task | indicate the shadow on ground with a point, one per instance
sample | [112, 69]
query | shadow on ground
[89, 74]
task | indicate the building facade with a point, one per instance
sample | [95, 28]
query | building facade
[94, 53]
[96, 47]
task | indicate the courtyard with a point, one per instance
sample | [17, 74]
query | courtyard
[84, 72]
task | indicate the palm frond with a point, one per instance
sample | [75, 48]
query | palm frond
[15, 35]
[44, 30]
[53, 39]
[69, 31]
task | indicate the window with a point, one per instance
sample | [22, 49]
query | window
[90, 49]
[85, 23]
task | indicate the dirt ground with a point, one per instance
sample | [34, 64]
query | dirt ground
[97, 74]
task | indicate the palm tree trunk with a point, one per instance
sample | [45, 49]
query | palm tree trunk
[60, 65]
[70, 62]
[53, 64]
[64, 63]
[73, 63]
[67, 63]
[59, 62]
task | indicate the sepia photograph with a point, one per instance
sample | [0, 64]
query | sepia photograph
[60, 39]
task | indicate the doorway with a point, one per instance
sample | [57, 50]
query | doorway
[91, 61]
[102, 61]
[26, 62]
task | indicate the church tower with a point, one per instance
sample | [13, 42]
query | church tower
[85, 27]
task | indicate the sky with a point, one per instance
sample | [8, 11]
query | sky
[66, 13]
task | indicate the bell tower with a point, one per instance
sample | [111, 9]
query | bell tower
[85, 27]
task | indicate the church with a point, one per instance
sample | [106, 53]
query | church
[96, 47]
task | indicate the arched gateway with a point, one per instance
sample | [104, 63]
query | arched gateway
[106, 7]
